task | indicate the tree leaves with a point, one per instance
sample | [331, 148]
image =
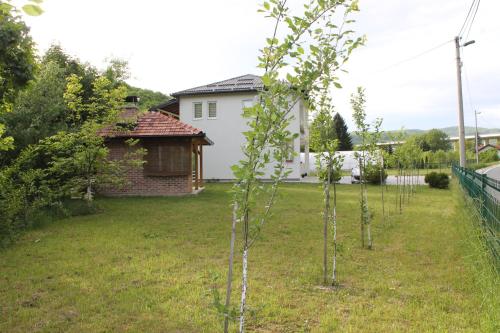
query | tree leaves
[33, 10]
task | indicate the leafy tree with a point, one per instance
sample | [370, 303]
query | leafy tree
[345, 141]
[102, 107]
[73, 66]
[370, 135]
[324, 141]
[147, 98]
[6, 143]
[32, 7]
[39, 110]
[267, 139]
[117, 72]
[434, 140]
[17, 63]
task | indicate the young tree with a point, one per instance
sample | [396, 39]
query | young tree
[324, 141]
[369, 135]
[345, 141]
[268, 137]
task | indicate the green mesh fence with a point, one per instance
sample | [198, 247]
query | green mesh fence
[485, 196]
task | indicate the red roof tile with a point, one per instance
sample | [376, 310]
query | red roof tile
[153, 124]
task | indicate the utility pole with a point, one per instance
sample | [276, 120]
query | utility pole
[461, 129]
[477, 137]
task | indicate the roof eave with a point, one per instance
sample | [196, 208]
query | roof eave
[228, 91]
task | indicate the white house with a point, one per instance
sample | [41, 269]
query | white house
[216, 108]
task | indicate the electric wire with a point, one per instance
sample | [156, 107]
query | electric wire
[466, 18]
[414, 57]
[472, 21]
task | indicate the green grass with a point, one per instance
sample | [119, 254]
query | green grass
[148, 265]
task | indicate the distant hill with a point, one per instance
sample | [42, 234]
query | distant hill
[451, 131]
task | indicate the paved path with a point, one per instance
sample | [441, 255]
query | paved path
[391, 180]
[492, 171]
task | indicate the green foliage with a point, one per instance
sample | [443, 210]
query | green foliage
[39, 110]
[342, 133]
[147, 98]
[335, 175]
[373, 174]
[17, 62]
[437, 180]
[67, 164]
[6, 143]
[488, 156]
[433, 140]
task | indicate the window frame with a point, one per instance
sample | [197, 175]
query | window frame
[157, 145]
[194, 110]
[291, 156]
[208, 110]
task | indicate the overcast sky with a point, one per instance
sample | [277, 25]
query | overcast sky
[174, 45]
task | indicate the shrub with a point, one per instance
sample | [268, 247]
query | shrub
[477, 166]
[335, 176]
[372, 174]
[437, 180]
[488, 156]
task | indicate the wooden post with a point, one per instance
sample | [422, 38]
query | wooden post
[195, 167]
[201, 165]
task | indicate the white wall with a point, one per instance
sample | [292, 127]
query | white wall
[350, 160]
[226, 133]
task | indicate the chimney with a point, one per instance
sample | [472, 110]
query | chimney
[132, 102]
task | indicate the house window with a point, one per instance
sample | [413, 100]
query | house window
[247, 103]
[212, 110]
[290, 150]
[197, 110]
[167, 159]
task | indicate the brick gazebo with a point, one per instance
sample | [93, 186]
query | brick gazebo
[174, 158]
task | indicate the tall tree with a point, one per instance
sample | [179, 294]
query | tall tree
[39, 111]
[345, 141]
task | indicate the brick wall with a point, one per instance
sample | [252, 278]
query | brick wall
[139, 184]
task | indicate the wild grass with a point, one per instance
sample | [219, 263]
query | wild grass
[150, 265]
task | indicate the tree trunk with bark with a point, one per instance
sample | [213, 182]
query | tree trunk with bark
[230, 269]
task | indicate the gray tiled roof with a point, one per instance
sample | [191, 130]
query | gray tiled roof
[247, 82]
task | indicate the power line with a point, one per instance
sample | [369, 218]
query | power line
[472, 21]
[415, 56]
[466, 18]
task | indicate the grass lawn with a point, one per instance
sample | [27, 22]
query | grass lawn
[149, 264]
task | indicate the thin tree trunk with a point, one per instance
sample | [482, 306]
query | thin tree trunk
[418, 179]
[243, 290]
[368, 224]
[400, 191]
[230, 269]
[382, 192]
[334, 270]
[326, 213]
[88, 194]
[362, 224]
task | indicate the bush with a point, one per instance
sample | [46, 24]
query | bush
[372, 174]
[335, 176]
[477, 166]
[437, 180]
[488, 156]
